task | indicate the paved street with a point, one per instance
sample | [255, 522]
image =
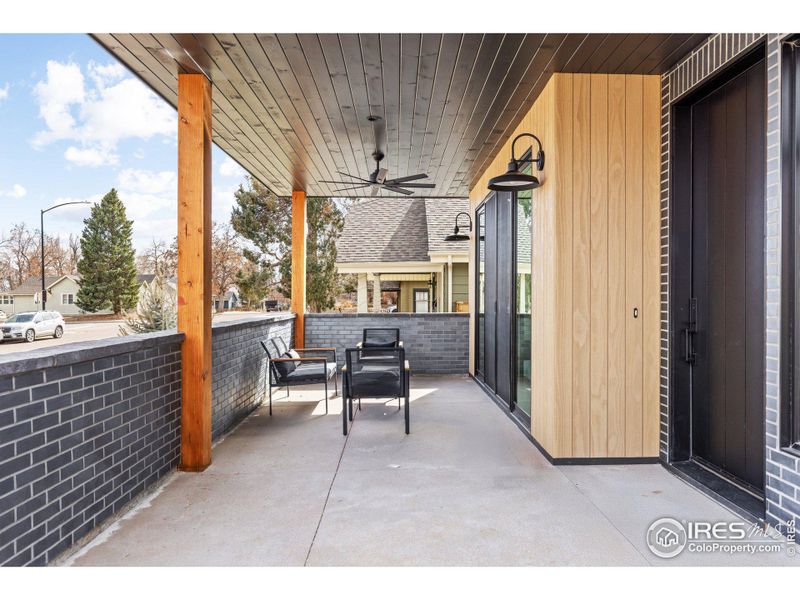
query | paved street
[84, 332]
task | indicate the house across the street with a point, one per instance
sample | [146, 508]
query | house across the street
[399, 246]
[62, 293]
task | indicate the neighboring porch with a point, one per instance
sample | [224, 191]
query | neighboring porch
[466, 488]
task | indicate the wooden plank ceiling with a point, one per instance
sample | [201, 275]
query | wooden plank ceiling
[292, 109]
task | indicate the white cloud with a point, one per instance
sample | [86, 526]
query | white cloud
[149, 182]
[56, 95]
[16, 191]
[102, 75]
[230, 168]
[4, 92]
[91, 157]
[97, 116]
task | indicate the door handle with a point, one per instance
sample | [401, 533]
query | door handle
[688, 347]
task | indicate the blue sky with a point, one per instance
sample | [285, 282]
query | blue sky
[73, 124]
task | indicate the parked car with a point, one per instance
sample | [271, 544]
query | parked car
[31, 325]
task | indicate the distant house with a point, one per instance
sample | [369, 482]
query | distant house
[62, 292]
[399, 246]
[229, 300]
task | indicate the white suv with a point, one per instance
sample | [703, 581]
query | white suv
[31, 325]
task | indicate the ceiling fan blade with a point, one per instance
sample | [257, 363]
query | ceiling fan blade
[408, 178]
[414, 185]
[343, 182]
[357, 187]
[392, 188]
[353, 176]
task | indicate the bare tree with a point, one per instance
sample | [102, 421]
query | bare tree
[20, 248]
[227, 260]
[159, 257]
[74, 251]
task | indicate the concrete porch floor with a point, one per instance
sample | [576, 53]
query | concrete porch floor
[465, 488]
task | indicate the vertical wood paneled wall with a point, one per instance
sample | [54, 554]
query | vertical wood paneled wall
[596, 246]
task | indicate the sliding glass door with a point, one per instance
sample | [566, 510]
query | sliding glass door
[522, 276]
[480, 302]
[495, 295]
[503, 290]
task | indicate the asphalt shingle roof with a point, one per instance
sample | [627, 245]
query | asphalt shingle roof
[33, 285]
[441, 216]
[399, 229]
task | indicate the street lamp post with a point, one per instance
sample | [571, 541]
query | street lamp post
[41, 230]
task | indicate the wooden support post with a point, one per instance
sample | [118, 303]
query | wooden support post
[194, 268]
[299, 234]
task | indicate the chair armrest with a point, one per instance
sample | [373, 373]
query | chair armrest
[313, 349]
[329, 353]
[301, 359]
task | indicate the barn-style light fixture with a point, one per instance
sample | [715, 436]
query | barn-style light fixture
[514, 180]
[459, 237]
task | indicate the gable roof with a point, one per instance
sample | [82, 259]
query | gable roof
[33, 284]
[441, 217]
[399, 229]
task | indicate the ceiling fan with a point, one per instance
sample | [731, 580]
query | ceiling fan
[377, 179]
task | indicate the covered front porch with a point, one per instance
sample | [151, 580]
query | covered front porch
[467, 488]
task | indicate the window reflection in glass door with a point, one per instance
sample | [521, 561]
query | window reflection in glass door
[522, 273]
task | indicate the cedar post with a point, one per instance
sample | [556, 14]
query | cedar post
[194, 267]
[299, 234]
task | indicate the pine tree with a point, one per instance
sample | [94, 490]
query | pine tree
[108, 262]
[156, 311]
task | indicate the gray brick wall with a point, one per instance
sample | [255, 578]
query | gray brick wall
[718, 51]
[239, 366]
[434, 342]
[83, 430]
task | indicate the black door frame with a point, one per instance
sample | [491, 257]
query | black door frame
[681, 318]
[511, 402]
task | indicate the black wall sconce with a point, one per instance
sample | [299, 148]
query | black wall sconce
[514, 180]
[459, 237]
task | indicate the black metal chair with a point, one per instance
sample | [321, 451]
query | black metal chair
[375, 373]
[380, 337]
[287, 367]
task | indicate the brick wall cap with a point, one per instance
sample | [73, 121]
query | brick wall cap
[68, 354]
[278, 317]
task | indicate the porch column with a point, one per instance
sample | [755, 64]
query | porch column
[299, 234]
[376, 293]
[194, 268]
[363, 299]
[450, 306]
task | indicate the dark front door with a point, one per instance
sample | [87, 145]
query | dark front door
[721, 340]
